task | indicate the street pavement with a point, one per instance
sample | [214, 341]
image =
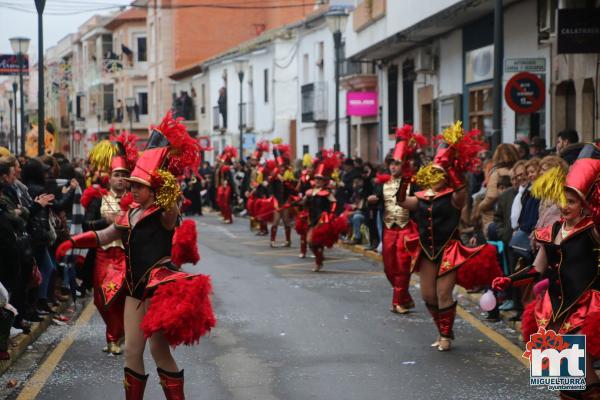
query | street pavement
[285, 332]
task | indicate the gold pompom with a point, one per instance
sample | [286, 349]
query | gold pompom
[101, 155]
[428, 176]
[277, 140]
[288, 175]
[453, 133]
[169, 191]
[260, 178]
[336, 175]
[307, 160]
[550, 186]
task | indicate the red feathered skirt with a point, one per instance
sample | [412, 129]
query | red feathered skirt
[301, 223]
[327, 231]
[180, 306]
[476, 266]
[265, 209]
[584, 316]
[251, 205]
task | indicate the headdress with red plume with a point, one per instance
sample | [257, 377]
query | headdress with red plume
[229, 154]
[281, 152]
[407, 144]
[127, 152]
[169, 151]
[327, 164]
[261, 147]
[456, 154]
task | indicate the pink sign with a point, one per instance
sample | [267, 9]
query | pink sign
[361, 104]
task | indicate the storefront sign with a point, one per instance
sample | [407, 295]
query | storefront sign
[361, 104]
[578, 31]
[9, 64]
[533, 65]
[524, 93]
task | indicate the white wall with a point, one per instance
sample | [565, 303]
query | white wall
[308, 132]
[520, 41]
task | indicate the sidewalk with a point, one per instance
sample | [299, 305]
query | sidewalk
[20, 343]
[471, 297]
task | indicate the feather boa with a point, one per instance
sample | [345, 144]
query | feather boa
[185, 244]
[327, 233]
[91, 193]
[181, 310]
[479, 270]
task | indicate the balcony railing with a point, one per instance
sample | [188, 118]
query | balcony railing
[248, 115]
[314, 102]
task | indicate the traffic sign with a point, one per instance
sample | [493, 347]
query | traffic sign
[525, 93]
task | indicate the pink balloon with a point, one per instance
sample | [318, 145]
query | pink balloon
[487, 302]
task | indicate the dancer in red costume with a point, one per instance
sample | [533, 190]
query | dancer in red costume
[282, 185]
[303, 186]
[162, 304]
[324, 226]
[396, 219]
[568, 257]
[437, 253]
[225, 184]
[256, 188]
[101, 209]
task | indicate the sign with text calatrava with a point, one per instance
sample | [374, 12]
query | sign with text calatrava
[361, 104]
[9, 64]
[578, 31]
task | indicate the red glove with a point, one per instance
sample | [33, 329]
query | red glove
[501, 283]
[62, 249]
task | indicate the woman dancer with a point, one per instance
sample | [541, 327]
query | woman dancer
[437, 253]
[568, 257]
[167, 306]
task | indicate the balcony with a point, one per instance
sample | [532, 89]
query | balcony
[367, 13]
[314, 102]
[358, 76]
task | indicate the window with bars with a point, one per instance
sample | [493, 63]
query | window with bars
[481, 109]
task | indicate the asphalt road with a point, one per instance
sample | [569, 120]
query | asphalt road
[285, 332]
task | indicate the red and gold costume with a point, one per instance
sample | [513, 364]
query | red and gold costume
[437, 219]
[102, 206]
[282, 188]
[225, 184]
[257, 189]
[303, 186]
[571, 303]
[179, 304]
[324, 226]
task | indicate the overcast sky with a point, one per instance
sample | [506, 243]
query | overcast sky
[14, 22]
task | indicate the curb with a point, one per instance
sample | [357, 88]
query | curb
[471, 297]
[19, 344]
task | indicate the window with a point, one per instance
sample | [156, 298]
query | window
[320, 61]
[481, 109]
[141, 54]
[266, 85]
[142, 100]
[408, 98]
[392, 90]
[305, 69]
[203, 99]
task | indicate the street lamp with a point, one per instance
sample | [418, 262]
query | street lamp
[336, 21]
[10, 130]
[40, 5]
[240, 67]
[129, 104]
[20, 45]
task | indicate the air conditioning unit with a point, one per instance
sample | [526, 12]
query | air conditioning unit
[424, 61]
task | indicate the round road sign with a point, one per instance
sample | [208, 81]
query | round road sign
[525, 93]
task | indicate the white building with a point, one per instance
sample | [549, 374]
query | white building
[436, 65]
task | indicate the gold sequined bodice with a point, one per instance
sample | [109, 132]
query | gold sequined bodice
[393, 213]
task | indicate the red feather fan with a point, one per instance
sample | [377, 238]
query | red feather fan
[380, 179]
[185, 151]
[262, 146]
[591, 329]
[181, 310]
[185, 244]
[528, 324]
[91, 193]
[480, 270]
[327, 233]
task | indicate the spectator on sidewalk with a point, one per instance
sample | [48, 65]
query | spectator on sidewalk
[568, 145]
